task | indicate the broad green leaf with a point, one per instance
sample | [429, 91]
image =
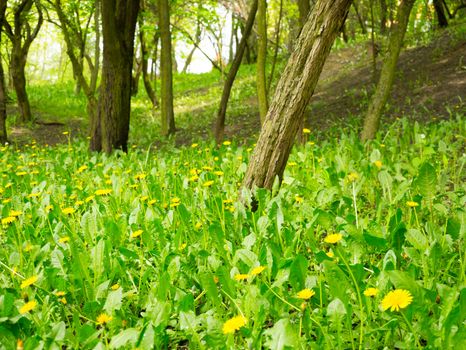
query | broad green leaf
[126, 337]
[281, 336]
[426, 180]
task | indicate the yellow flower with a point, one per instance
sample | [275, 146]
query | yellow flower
[21, 173]
[88, 199]
[174, 202]
[34, 195]
[397, 299]
[257, 270]
[306, 131]
[333, 238]
[371, 292]
[28, 281]
[234, 324]
[115, 286]
[412, 204]
[305, 294]
[140, 176]
[353, 177]
[63, 301]
[103, 192]
[136, 233]
[218, 173]
[198, 225]
[241, 276]
[15, 213]
[298, 199]
[64, 239]
[208, 183]
[82, 168]
[103, 318]
[330, 254]
[194, 145]
[226, 143]
[8, 220]
[152, 201]
[30, 305]
[378, 164]
[207, 168]
[68, 211]
[59, 293]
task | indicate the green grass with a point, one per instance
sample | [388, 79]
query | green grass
[176, 283]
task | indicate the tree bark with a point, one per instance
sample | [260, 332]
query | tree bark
[304, 7]
[360, 19]
[118, 28]
[3, 133]
[440, 11]
[261, 59]
[145, 75]
[387, 74]
[293, 93]
[220, 123]
[166, 74]
[276, 47]
[21, 36]
[383, 16]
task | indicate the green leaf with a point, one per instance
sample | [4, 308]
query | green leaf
[128, 336]
[281, 336]
[298, 272]
[426, 180]
[417, 239]
[336, 309]
[113, 301]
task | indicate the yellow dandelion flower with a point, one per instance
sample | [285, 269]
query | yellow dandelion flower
[194, 145]
[257, 270]
[371, 292]
[103, 192]
[8, 220]
[207, 168]
[48, 208]
[227, 143]
[65, 132]
[292, 164]
[64, 239]
[79, 203]
[305, 294]
[234, 324]
[29, 281]
[241, 276]
[103, 318]
[198, 225]
[194, 178]
[306, 131]
[63, 301]
[353, 177]
[88, 199]
[29, 306]
[59, 293]
[330, 254]
[333, 238]
[115, 286]
[28, 247]
[136, 233]
[15, 213]
[412, 204]
[34, 195]
[21, 173]
[218, 173]
[182, 246]
[140, 176]
[397, 299]
[152, 201]
[68, 211]
[208, 183]
[298, 199]
[378, 164]
[82, 168]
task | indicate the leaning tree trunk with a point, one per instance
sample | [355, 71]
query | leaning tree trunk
[220, 123]
[387, 74]
[293, 93]
[166, 73]
[262, 59]
[118, 27]
[3, 134]
[441, 17]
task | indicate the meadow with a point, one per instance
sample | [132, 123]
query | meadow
[362, 246]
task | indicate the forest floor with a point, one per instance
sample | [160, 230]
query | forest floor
[430, 84]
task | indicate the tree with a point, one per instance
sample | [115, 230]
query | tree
[21, 36]
[440, 11]
[74, 21]
[220, 123]
[3, 134]
[118, 28]
[262, 58]
[166, 66]
[293, 93]
[387, 74]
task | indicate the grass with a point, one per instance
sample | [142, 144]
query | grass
[154, 248]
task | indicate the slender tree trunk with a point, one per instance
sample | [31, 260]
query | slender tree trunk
[166, 74]
[118, 27]
[145, 75]
[360, 19]
[387, 74]
[304, 7]
[196, 44]
[262, 58]
[277, 45]
[3, 96]
[440, 11]
[220, 123]
[18, 65]
[293, 93]
[383, 16]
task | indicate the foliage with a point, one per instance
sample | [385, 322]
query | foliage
[156, 249]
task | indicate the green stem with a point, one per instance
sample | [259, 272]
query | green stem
[358, 293]
[411, 329]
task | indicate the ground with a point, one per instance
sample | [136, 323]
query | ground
[430, 83]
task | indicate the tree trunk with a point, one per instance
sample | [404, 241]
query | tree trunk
[360, 19]
[166, 74]
[293, 93]
[18, 65]
[276, 47]
[3, 134]
[387, 74]
[440, 11]
[145, 75]
[304, 7]
[261, 59]
[220, 123]
[383, 16]
[118, 27]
